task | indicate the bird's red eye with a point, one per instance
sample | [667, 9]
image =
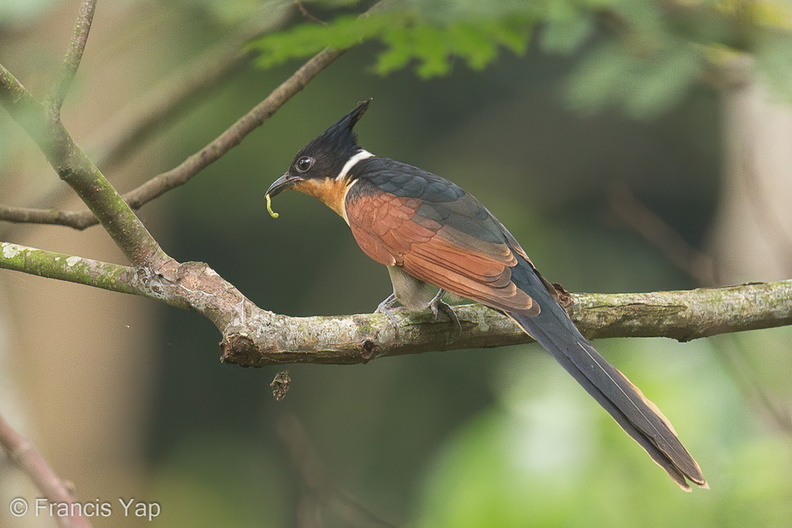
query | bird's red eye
[304, 163]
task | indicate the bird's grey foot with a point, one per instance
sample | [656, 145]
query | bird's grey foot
[438, 306]
[386, 308]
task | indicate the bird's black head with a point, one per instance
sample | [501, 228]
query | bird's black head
[325, 156]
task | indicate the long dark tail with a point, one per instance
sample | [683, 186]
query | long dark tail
[638, 416]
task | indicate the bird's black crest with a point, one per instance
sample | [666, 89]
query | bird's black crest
[350, 120]
[341, 137]
[331, 149]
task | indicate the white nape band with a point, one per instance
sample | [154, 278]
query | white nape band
[343, 201]
[363, 154]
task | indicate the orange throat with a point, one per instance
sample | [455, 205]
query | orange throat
[329, 191]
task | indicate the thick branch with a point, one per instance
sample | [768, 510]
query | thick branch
[159, 185]
[71, 62]
[256, 337]
[30, 460]
[681, 315]
[104, 275]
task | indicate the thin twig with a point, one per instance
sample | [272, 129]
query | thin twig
[320, 486]
[29, 459]
[232, 137]
[127, 131]
[661, 235]
[736, 361]
[71, 62]
[27, 215]
[769, 223]
[308, 15]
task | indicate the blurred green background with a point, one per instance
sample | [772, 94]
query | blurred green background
[497, 437]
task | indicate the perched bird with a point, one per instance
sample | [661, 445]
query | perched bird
[430, 233]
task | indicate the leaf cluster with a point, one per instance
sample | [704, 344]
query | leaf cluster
[407, 37]
[641, 56]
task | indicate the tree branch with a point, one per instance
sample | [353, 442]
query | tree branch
[29, 459]
[681, 315]
[89, 272]
[701, 268]
[233, 136]
[27, 215]
[71, 62]
[255, 337]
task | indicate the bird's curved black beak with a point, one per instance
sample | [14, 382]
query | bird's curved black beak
[281, 184]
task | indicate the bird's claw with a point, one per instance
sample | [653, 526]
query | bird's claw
[386, 308]
[438, 306]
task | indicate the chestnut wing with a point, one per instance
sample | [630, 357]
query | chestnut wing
[440, 234]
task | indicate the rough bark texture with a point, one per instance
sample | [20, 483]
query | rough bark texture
[254, 337]
[263, 338]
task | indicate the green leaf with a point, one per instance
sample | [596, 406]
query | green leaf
[435, 46]
[308, 39]
[430, 48]
[473, 43]
[399, 50]
[514, 34]
[406, 38]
